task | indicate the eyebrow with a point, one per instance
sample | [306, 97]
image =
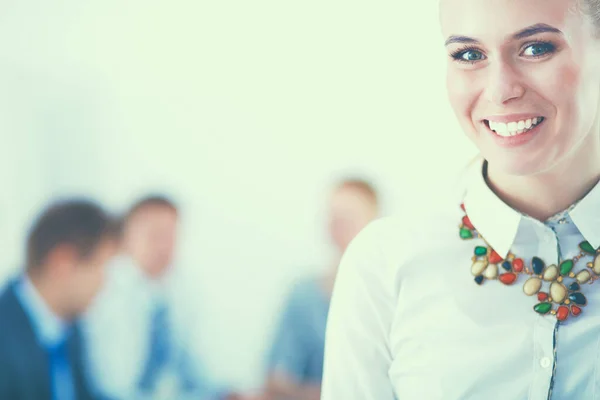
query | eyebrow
[523, 33]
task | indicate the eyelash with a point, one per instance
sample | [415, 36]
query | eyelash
[457, 54]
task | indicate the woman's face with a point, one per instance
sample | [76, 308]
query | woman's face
[523, 78]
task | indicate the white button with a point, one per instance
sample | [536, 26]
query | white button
[545, 362]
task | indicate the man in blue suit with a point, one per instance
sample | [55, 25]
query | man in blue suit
[41, 348]
[138, 327]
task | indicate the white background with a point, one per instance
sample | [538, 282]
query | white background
[245, 111]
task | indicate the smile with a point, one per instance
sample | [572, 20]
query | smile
[514, 128]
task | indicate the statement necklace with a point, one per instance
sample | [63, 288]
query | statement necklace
[564, 296]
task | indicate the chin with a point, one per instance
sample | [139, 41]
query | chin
[159, 271]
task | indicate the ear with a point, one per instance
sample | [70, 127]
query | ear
[61, 259]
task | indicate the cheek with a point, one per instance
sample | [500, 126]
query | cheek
[569, 97]
[462, 93]
[568, 77]
[559, 85]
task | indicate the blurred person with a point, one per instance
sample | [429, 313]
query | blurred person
[42, 351]
[295, 364]
[137, 327]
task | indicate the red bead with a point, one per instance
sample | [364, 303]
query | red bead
[575, 310]
[494, 257]
[508, 278]
[467, 222]
[518, 265]
[562, 313]
[463, 207]
[542, 296]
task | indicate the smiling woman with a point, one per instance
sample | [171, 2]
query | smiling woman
[490, 296]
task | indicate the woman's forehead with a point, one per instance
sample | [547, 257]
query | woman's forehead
[499, 19]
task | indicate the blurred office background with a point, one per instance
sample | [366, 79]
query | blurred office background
[244, 112]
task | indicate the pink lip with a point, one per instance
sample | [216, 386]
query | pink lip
[512, 117]
[514, 141]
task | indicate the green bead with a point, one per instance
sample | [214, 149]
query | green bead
[542, 308]
[566, 267]
[587, 247]
[466, 233]
[480, 251]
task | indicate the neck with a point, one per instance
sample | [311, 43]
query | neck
[328, 282]
[548, 193]
[329, 276]
[50, 294]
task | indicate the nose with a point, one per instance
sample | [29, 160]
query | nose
[505, 84]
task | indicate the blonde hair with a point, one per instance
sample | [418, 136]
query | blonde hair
[362, 185]
[591, 8]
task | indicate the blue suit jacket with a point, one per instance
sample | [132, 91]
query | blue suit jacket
[24, 363]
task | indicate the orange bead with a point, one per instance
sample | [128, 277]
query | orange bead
[467, 222]
[508, 278]
[494, 258]
[518, 265]
[562, 313]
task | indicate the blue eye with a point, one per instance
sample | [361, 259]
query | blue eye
[539, 49]
[468, 55]
[472, 55]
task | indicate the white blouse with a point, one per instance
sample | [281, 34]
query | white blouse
[408, 322]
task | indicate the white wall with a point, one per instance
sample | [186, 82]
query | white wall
[245, 111]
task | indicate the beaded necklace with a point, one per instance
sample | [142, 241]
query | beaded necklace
[561, 299]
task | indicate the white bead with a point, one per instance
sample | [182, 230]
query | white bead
[596, 266]
[583, 276]
[532, 286]
[491, 272]
[558, 292]
[551, 273]
[478, 267]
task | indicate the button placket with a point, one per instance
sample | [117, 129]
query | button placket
[543, 363]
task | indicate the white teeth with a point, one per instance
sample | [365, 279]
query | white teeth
[514, 128]
[501, 127]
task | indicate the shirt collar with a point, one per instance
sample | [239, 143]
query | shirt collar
[586, 216]
[49, 329]
[155, 288]
[498, 223]
[493, 219]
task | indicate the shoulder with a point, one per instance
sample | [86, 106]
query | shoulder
[305, 287]
[298, 296]
[8, 301]
[123, 273]
[122, 280]
[119, 300]
[10, 310]
[390, 243]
